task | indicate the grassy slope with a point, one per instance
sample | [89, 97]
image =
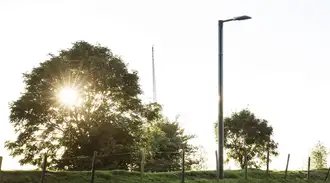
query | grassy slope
[127, 177]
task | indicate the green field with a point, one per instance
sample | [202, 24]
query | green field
[234, 176]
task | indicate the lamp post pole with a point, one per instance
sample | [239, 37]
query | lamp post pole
[220, 112]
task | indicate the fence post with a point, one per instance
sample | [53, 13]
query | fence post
[142, 164]
[245, 165]
[217, 164]
[309, 168]
[93, 167]
[131, 161]
[287, 165]
[326, 177]
[183, 165]
[0, 169]
[267, 170]
[43, 173]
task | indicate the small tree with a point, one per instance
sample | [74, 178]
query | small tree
[247, 134]
[319, 156]
[201, 157]
[166, 141]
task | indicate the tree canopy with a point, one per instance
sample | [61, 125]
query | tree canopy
[166, 148]
[247, 134]
[83, 100]
[319, 156]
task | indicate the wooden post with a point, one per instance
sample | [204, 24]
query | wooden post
[287, 165]
[217, 164]
[309, 168]
[93, 167]
[0, 169]
[131, 161]
[43, 173]
[326, 177]
[142, 164]
[245, 165]
[182, 166]
[267, 170]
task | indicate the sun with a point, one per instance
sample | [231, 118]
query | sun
[68, 96]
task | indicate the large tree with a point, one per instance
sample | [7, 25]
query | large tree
[82, 100]
[247, 134]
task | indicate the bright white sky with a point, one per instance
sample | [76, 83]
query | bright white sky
[275, 63]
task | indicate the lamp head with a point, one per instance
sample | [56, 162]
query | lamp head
[244, 17]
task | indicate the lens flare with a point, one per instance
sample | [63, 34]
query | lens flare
[68, 96]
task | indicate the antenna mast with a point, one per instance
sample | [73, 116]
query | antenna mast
[153, 76]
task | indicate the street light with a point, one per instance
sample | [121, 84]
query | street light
[220, 112]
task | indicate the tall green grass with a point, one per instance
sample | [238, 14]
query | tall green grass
[234, 176]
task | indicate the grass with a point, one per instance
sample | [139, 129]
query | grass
[233, 176]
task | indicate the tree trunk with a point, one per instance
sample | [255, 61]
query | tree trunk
[241, 162]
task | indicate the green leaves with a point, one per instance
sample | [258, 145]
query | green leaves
[166, 142]
[319, 156]
[245, 133]
[110, 117]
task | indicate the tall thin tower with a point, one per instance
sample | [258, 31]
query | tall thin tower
[153, 76]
